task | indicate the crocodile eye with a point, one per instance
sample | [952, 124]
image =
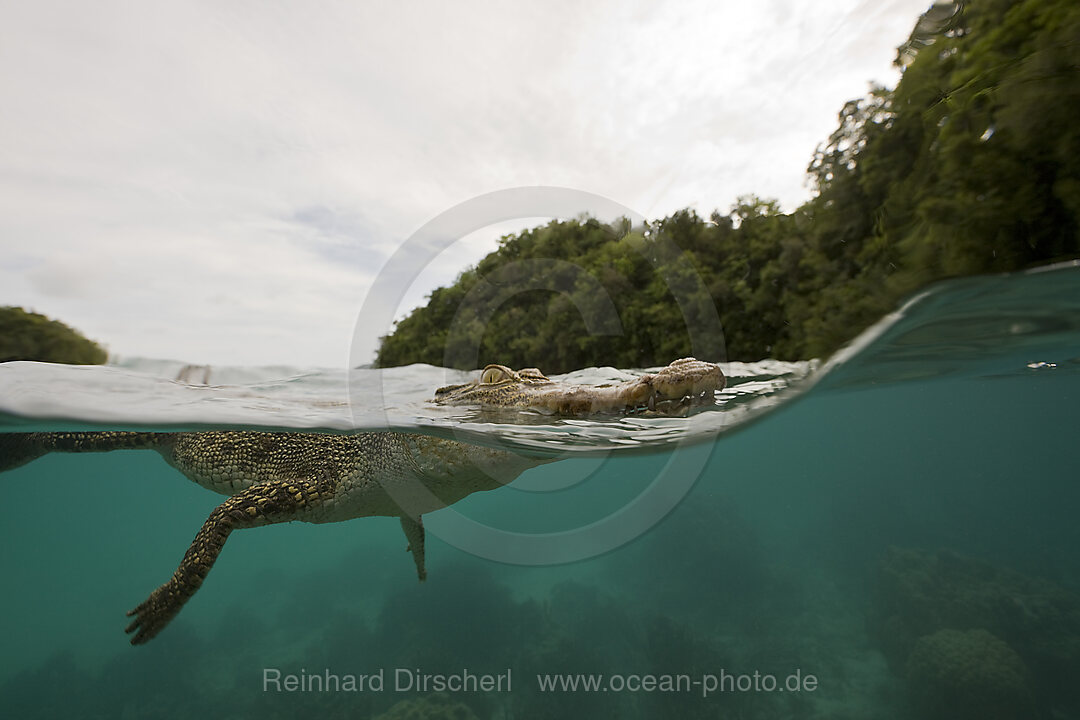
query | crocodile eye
[491, 375]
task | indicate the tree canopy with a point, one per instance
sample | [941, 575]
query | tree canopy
[970, 165]
[30, 336]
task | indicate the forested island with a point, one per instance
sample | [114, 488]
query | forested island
[970, 165]
[31, 336]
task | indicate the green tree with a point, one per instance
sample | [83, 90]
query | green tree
[971, 164]
[30, 336]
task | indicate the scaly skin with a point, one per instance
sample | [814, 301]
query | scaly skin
[528, 389]
[280, 477]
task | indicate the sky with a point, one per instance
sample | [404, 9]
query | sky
[223, 182]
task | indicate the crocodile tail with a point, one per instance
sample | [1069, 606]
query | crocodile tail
[20, 448]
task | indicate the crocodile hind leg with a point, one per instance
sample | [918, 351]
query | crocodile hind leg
[262, 504]
[414, 534]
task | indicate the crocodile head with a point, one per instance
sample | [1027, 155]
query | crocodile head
[683, 381]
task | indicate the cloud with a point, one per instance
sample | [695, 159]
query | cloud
[220, 182]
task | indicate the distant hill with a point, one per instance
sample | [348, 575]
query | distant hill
[970, 165]
[30, 336]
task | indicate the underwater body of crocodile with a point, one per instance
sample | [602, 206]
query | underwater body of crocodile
[273, 477]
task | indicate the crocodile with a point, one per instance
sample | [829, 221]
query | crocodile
[682, 382]
[274, 477]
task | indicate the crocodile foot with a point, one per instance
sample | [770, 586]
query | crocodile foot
[155, 612]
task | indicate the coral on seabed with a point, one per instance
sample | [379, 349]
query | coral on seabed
[437, 706]
[961, 674]
[919, 593]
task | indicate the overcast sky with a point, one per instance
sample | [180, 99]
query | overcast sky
[221, 182]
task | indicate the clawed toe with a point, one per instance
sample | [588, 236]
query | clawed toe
[140, 626]
[151, 616]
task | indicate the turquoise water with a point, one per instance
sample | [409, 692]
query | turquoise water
[904, 531]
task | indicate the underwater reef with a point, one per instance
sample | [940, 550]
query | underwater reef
[968, 674]
[437, 706]
[652, 608]
[468, 620]
[959, 628]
